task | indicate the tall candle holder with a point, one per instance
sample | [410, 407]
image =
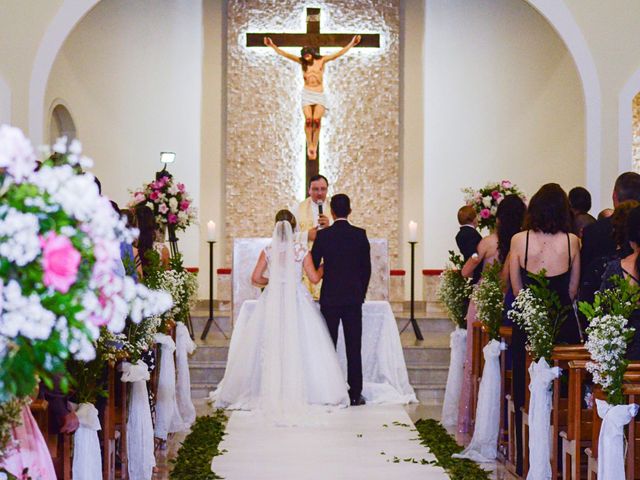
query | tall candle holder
[211, 318]
[412, 318]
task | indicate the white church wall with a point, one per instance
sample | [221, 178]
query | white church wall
[502, 99]
[132, 74]
[22, 25]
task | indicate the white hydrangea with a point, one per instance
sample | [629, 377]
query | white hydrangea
[24, 315]
[16, 153]
[19, 240]
[607, 345]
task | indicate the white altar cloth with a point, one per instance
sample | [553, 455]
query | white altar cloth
[384, 372]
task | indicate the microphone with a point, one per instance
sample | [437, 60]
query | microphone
[320, 207]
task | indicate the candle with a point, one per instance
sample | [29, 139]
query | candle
[413, 231]
[211, 231]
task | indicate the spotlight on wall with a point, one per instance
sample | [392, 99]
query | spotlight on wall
[167, 157]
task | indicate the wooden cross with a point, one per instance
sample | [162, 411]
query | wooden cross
[313, 38]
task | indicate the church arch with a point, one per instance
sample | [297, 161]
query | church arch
[70, 13]
[561, 19]
[61, 122]
[5, 102]
[626, 126]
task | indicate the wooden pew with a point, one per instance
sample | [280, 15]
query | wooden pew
[566, 408]
[114, 427]
[631, 389]
[59, 443]
[478, 341]
[507, 412]
[577, 433]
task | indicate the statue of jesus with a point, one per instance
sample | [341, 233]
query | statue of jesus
[314, 101]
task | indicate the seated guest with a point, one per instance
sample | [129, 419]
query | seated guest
[598, 243]
[547, 243]
[580, 201]
[605, 213]
[629, 268]
[468, 237]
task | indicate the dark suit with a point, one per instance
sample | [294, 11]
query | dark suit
[345, 252]
[597, 241]
[467, 240]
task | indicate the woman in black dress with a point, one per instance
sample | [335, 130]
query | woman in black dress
[629, 268]
[546, 243]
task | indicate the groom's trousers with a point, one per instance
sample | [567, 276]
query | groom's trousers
[351, 316]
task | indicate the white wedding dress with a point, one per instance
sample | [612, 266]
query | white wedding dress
[281, 357]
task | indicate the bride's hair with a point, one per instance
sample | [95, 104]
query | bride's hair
[286, 215]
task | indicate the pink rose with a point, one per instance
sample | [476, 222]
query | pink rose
[163, 208]
[172, 218]
[154, 195]
[184, 205]
[495, 194]
[506, 184]
[181, 187]
[485, 213]
[139, 197]
[60, 261]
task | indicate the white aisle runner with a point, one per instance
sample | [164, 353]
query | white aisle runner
[347, 445]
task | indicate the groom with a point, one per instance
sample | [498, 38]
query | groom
[344, 249]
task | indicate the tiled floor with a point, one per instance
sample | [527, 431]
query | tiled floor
[415, 412]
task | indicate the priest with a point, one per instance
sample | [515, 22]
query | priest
[312, 215]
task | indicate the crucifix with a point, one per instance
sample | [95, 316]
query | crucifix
[313, 96]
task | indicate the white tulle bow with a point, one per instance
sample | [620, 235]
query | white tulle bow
[540, 419]
[87, 459]
[611, 441]
[455, 376]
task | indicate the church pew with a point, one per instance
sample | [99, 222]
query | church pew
[631, 390]
[114, 426]
[507, 433]
[59, 443]
[577, 433]
[567, 409]
[478, 341]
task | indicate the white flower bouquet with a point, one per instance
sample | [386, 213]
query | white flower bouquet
[454, 290]
[489, 299]
[538, 311]
[59, 249]
[609, 335]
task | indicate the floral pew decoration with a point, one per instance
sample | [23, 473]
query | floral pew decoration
[485, 201]
[488, 297]
[538, 311]
[607, 344]
[59, 254]
[454, 292]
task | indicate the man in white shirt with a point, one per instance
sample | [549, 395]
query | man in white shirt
[310, 220]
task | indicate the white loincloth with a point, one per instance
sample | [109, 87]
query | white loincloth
[309, 97]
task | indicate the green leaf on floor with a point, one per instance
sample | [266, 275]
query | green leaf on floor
[201, 445]
[434, 436]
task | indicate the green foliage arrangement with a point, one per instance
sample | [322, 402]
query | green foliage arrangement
[537, 309]
[609, 336]
[435, 437]
[489, 299]
[454, 290]
[201, 445]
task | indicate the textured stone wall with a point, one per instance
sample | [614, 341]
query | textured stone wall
[359, 142]
[636, 133]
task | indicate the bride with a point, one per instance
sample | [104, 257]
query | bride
[281, 357]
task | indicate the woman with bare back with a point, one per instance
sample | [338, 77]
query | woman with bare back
[314, 101]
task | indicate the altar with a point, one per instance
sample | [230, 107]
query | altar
[385, 377]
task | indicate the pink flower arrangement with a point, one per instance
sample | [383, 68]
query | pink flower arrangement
[167, 198]
[485, 200]
[60, 261]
